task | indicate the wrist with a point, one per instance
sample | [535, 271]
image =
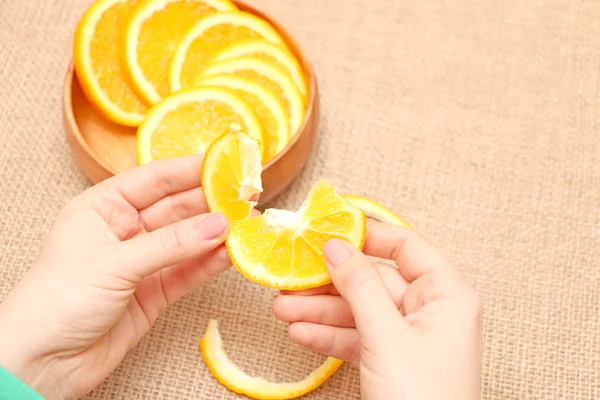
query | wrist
[37, 373]
[20, 359]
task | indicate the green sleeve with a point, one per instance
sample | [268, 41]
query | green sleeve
[12, 388]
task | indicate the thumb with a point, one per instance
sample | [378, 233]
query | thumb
[173, 244]
[361, 285]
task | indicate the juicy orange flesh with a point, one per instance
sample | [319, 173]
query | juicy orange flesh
[324, 201]
[159, 36]
[286, 252]
[204, 47]
[191, 127]
[334, 223]
[227, 181]
[106, 62]
[258, 241]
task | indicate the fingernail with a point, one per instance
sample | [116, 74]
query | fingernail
[213, 226]
[336, 251]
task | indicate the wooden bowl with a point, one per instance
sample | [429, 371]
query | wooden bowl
[102, 148]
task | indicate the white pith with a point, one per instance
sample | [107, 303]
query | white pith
[251, 167]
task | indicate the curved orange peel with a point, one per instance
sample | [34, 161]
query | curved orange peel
[236, 380]
[376, 210]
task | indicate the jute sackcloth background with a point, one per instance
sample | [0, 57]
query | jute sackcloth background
[475, 120]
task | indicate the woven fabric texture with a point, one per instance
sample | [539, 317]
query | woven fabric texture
[475, 120]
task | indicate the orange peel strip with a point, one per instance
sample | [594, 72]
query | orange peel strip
[236, 380]
[376, 210]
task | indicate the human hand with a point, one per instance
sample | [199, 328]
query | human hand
[117, 255]
[414, 331]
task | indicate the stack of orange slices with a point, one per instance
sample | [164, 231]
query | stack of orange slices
[182, 71]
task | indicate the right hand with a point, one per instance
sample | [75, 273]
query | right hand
[414, 331]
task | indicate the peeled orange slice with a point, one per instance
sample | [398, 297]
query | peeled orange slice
[152, 34]
[236, 380]
[267, 107]
[269, 76]
[208, 36]
[230, 175]
[279, 249]
[376, 210]
[276, 54]
[98, 65]
[189, 121]
[284, 250]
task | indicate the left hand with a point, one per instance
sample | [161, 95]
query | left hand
[116, 257]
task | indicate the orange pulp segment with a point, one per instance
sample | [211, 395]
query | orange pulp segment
[188, 122]
[230, 175]
[284, 250]
[98, 65]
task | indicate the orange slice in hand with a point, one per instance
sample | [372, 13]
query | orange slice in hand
[97, 62]
[268, 108]
[152, 34]
[210, 35]
[279, 249]
[188, 122]
[269, 76]
[284, 250]
[230, 175]
[275, 54]
[236, 380]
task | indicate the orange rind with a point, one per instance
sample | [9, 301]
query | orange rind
[236, 380]
[376, 210]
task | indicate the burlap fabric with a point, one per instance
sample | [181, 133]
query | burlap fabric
[475, 120]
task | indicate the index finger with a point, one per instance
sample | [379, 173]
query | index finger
[414, 255]
[146, 184]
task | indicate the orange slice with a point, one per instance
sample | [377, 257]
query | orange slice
[152, 34]
[267, 107]
[277, 55]
[98, 65]
[236, 380]
[230, 175]
[279, 249]
[188, 122]
[284, 250]
[210, 35]
[376, 210]
[269, 76]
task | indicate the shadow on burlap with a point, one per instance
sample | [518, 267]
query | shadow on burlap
[477, 121]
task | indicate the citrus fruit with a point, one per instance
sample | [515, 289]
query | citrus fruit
[376, 210]
[208, 36]
[152, 34]
[284, 250]
[267, 107]
[230, 175]
[274, 53]
[98, 65]
[269, 76]
[236, 380]
[187, 122]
